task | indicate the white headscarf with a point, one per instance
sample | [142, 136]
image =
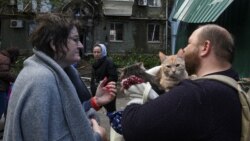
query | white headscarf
[104, 50]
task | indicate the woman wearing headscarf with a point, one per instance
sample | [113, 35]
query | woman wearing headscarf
[101, 68]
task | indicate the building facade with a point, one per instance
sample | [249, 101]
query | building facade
[123, 25]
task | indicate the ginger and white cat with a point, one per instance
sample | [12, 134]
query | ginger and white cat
[172, 70]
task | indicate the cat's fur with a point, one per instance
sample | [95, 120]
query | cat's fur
[139, 70]
[172, 70]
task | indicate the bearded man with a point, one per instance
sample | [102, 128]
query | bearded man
[194, 110]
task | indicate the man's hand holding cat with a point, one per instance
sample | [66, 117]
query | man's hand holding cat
[154, 71]
[139, 91]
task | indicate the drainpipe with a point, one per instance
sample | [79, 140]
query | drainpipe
[20, 5]
[34, 6]
[166, 26]
[174, 28]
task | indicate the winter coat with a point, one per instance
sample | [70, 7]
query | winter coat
[44, 105]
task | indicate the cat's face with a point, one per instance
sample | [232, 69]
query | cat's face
[172, 65]
[133, 69]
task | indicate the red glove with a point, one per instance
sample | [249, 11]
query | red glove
[132, 80]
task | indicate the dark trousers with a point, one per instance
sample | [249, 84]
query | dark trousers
[110, 107]
[3, 102]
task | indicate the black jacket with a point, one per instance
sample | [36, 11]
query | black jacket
[102, 68]
[81, 88]
[201, 110]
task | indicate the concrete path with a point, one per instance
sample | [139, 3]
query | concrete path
[121, 101]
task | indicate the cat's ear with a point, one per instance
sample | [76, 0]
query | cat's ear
[180, 53]
[162, 56]
[141, 65]
[120, 70]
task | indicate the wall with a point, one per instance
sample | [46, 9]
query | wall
[238, 23]
[14, 37]
[236, 18]
[135, 30]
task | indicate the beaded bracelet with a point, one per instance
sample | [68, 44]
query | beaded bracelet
[94, 104]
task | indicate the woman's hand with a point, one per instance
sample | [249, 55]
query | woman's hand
[98, 129]
[105, 92]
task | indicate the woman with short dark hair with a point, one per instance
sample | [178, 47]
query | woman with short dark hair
[44, 104]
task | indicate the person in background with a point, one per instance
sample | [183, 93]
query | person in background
[8, 57]
[44, 104]
[101, 68]
[203, 109]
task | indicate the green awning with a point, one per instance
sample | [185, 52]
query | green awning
[200, 11]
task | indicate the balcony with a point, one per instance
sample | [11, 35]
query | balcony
[117, 7]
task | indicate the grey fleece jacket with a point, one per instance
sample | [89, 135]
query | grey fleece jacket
[44, 105]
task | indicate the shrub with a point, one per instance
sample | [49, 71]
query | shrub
[149, 60]
[16, 68]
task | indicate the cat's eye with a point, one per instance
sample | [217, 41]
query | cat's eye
[177, 65]
[168, 66]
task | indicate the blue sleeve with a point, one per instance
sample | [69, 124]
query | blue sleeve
[115, 119]
[86, 105]
[97, 137]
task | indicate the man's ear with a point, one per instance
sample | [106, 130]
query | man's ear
[52, 45]
[206, 48]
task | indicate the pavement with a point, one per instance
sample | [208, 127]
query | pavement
[121, 101]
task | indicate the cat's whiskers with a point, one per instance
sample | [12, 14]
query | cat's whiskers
[172, 70]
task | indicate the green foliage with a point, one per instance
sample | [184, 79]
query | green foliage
[16, 68]
[122, 60]
[57, 3]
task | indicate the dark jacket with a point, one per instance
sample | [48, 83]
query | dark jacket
[102, 68]
[5, 75]
[81, 88]
[201, 110]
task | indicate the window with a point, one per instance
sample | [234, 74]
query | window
[154, 3]
[153, 32]
[116, 32]
[142, 2]
[32, 26]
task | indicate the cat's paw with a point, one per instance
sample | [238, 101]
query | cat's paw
[193, 77]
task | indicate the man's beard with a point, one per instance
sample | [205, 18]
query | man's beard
[192, 62]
